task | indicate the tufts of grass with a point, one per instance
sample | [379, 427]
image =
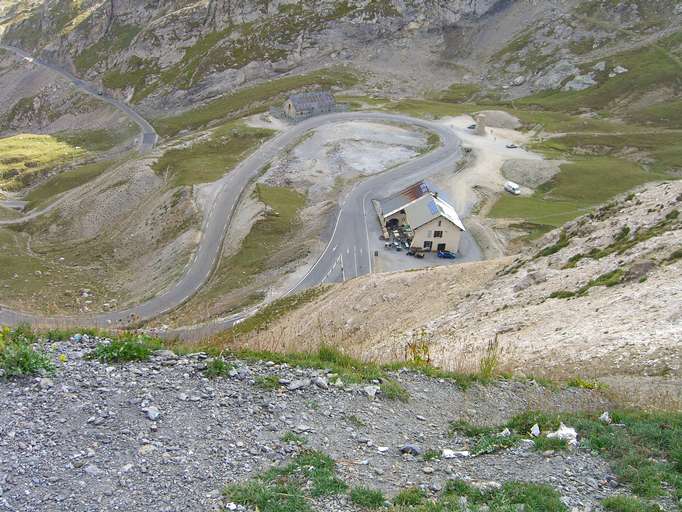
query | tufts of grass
[311, 469]
[293, 438]
[629, 504]
[127, 347]
[563, 242]
[268, 496]
[608, 279]
[367, 498]
[411, 497]
[18, 355]
[217, 367]
[544, 443]
[579, 382]
[533, 497]
[394, 391]
[431, 455]
[267, 382]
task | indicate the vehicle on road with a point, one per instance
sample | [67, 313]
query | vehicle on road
[419, 255]
[448, 255]
[471, 127]
[511, 146]
[512, 188]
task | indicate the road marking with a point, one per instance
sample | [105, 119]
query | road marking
[364, 217]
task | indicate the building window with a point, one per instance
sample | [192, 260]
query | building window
[439, 223]
[428, 244]
[437, 234]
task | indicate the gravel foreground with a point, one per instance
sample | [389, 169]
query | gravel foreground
[159, 435]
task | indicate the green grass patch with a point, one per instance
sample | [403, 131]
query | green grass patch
[253, 99]
[394, 391]
[293, 438]
[512, 496]
[267, 382]
[574, 191]
[26, 157]
[98, 140]
[209, 160]
[19, 356]
[459, 93]
[607, 279]
[544, 443]
[218, 367]
[367, 498]
[410, 497]
[65, 181]
[125, 348]
[667, 114]
[629, 504]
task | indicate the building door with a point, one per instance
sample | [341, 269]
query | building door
[441, 247]
[428, 245]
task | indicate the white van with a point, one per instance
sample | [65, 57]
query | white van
[512, 188]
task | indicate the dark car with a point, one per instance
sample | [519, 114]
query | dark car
[419, 255]
[447, 255]
[511, 146]
[471, 127]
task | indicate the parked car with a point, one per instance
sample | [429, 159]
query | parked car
[471, 127]
[419, 255]
[411, 252]
[511, 146]
[447, 255]
[512, 188]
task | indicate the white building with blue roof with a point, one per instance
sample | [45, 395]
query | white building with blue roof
[425, 216]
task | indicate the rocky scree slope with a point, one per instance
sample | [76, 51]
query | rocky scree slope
[160, 435]
[599, 297]
[171, 54]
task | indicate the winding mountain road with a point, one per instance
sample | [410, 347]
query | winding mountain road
[149, 136]
[348, 250]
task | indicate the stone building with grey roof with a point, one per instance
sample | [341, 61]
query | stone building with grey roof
[308, 104]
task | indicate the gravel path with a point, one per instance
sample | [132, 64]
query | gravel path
[159, 435]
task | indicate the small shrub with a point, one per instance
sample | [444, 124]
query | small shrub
[367, 498]
[394, 391]
[628, 504]
[217, 367]
[468, 429]
[409, 497]
[491, 443]
[129, 347]
[18, 357]
[581, 383]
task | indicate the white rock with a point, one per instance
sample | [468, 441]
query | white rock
[153, 413]
[370, 391]
[568, 434]
[452, 454]
[535, 430]
[606, 418]
[505, 433]
[619, 70]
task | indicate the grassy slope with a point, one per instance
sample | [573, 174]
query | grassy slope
[23, 158]
[209, 160]
[251, 100]
[578, 187]
[42, 194]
